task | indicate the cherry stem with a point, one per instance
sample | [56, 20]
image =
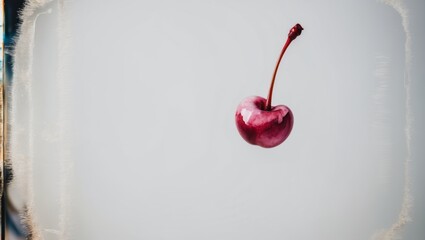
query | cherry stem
[293, 33]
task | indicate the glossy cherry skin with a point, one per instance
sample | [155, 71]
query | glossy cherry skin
[261, 127]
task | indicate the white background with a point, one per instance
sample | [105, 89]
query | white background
[155, 154]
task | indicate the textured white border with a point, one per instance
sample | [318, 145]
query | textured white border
[21, 138]
[404, 217]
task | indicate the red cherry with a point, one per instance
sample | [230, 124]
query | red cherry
[257, 121]
[265, 128]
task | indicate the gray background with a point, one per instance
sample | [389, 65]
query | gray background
[155, 154]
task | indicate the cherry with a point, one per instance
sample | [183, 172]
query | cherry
[257, 121]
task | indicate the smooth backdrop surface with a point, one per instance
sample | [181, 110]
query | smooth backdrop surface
[153, 86]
